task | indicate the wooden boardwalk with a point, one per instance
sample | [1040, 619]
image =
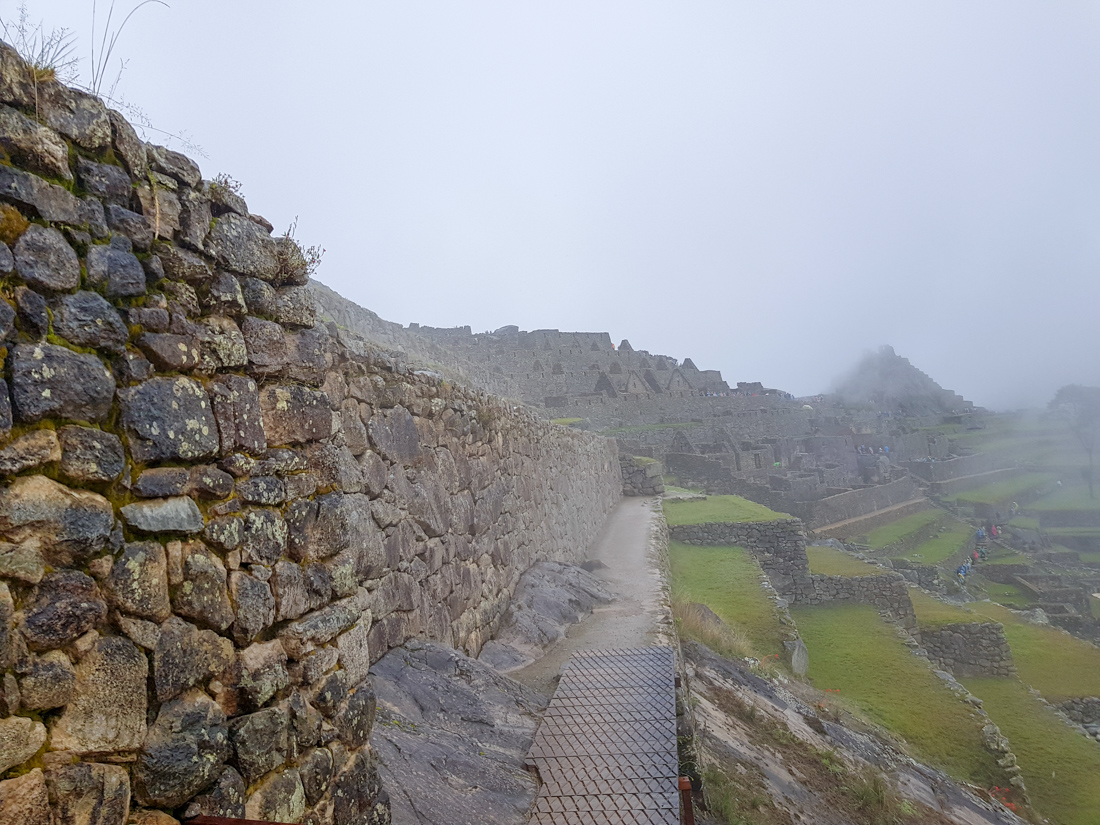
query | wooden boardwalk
[605, 751]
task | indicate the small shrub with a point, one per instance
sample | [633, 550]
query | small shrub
[727, 641]
[231, 185]
[293, 259]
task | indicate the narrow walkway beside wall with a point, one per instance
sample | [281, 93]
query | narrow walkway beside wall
[628, 547]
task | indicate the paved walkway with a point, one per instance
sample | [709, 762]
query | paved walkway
[605, 752]
[638, 616]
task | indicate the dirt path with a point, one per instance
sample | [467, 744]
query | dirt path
[639, 616]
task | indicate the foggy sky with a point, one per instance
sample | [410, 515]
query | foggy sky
[770, 189]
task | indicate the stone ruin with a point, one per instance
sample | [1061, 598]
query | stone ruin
[216, 512]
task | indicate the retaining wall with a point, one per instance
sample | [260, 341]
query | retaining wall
[641, 477]
[969, 649]
[214, 512]
[780, 548]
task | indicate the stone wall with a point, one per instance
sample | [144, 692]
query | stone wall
[641, 476]
[969, 649]
[952, 468]
[1084, 710]
[215, 513]
[856, 503]
[780, 548]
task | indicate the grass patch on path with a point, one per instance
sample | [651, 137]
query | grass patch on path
[828, 561]
[727, 580]
[895, 531]
[1061, 767]
[718, 509]
[853, 650]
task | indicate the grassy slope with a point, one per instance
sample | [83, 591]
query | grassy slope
[941, 546]
[727, 580]
[1061, 767]
[853, 650]
[716, 509]
[1067, 498]
[828, 561]
[1056, 664]
[897, 530]
[1004, 490]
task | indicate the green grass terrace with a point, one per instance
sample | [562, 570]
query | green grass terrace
[1004, 491]
[856, 653]
[828, 561]
[718, 509]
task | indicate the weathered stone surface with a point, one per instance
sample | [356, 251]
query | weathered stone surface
[161, 207]
[50, 202]
[44, 259]
[237, 412]
[224, 533]
[170, 353]
[319, 627]
[128, 145]
[353, 428]
[33, 146]
[138, 582]
[150, 319]
[161, 482]
[316, 770]
[439, 713]
[48, 682]
[164, 515]
[8, 649]
[22, 561]
[89, 793]
[261, 672]
[195, 216]
[25, 801]
[260, 742]
[134, 226]
[268, 490]
[114, 269]
[254, 604]
[395, 436]
[331, 524]
[354, 647]
[131, 368]
[264, 537]
[139, 631]
[225, 798]
[306, 356]
[242, 246]
[20, 739]
[49, 381]
[107, 711]
[90, 455]
[266, 345]
[354, 718]
[174, 164]
[294, 307]
[181, 265]
[32, 312]
[169, 418]
[259, 297]
[183, 751]
[108, 183]
[278, 798]
[202, 596]
[548, 599]
[147, 817]
[221, 344]
[186, 656]
[288, 583]
[224, 296]
[65, 605]
[87, 320]
[93, 214]
[293, 414]
[356, 791]
[77, 115]
[32, 449]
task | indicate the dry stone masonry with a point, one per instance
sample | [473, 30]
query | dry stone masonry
[969, 649]
[780, 548]
[215, 513]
